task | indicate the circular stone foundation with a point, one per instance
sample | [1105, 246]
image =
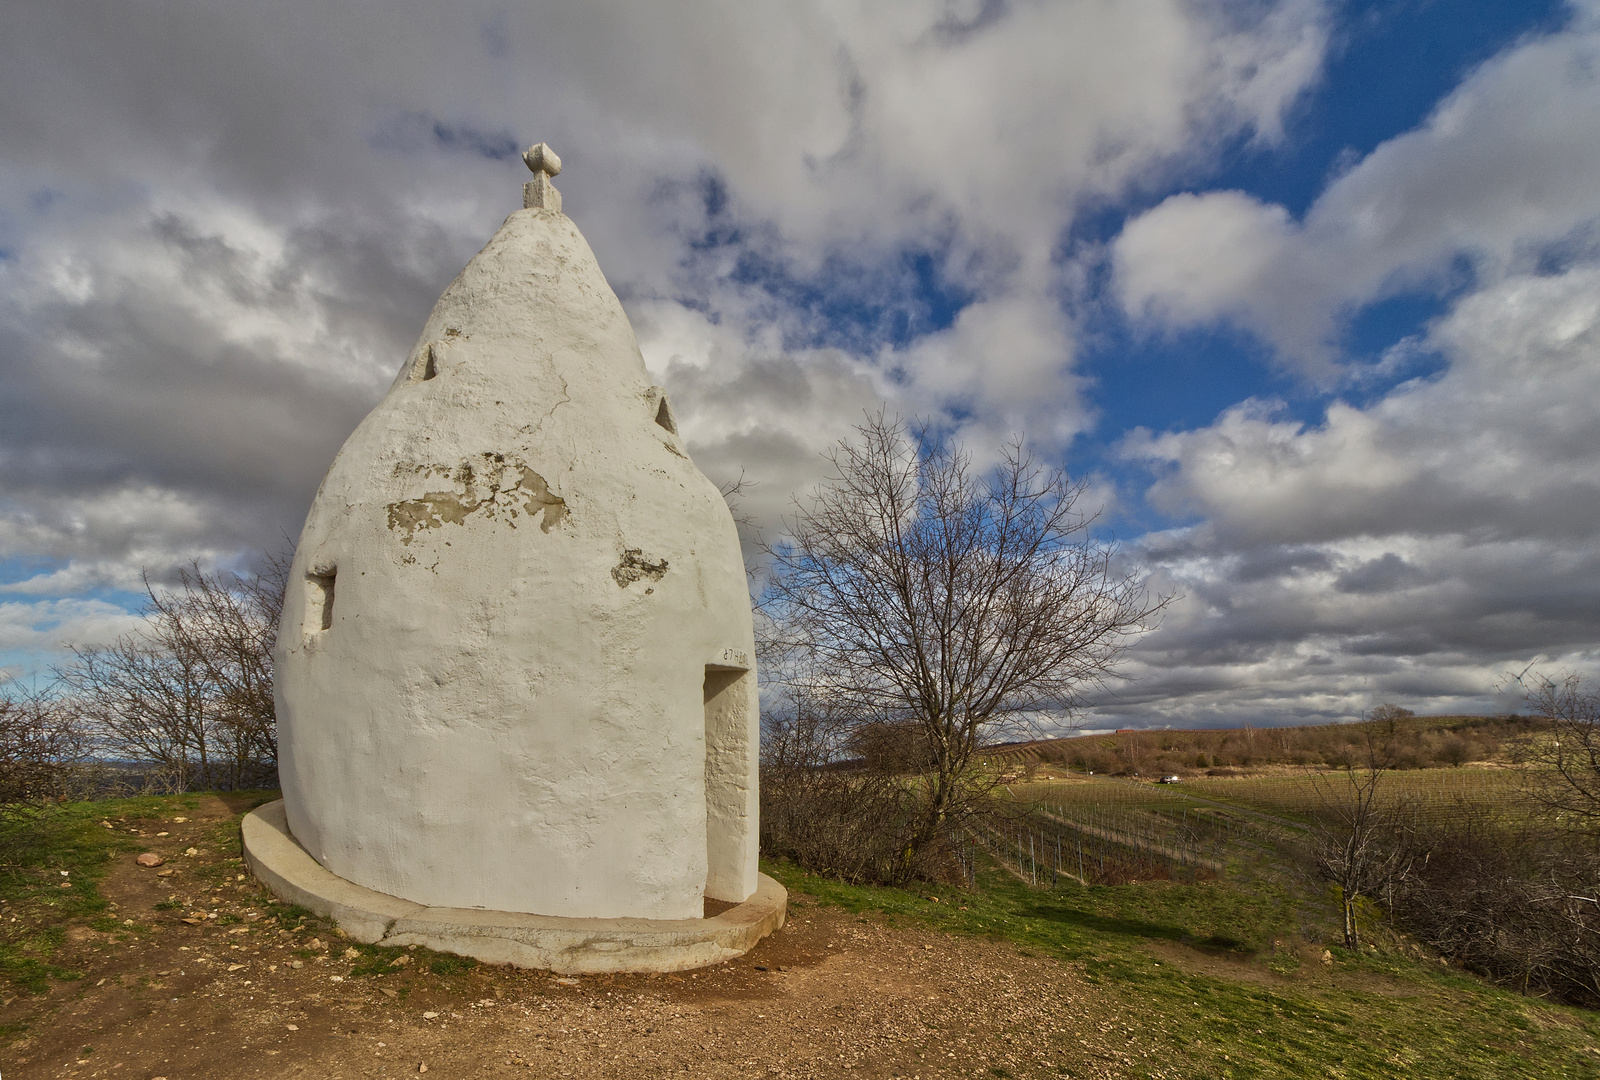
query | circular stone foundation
[568, 946]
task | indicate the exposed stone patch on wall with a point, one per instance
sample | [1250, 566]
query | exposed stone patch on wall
[636, 565]
[554, 507]
[435, 509]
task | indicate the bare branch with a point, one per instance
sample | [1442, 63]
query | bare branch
[191, 693]
[930, 607]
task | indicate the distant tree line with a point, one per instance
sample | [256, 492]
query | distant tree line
[1414, 743]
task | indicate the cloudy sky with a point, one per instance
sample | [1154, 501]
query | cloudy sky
[1310, 290]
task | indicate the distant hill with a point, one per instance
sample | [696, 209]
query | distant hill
[1415, 742]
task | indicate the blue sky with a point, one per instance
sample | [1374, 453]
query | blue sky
[1310, 290]
[1387, 67]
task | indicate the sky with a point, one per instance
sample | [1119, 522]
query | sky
[1309, 291]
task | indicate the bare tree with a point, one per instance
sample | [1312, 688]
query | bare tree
[1563, 760]
[146, 705]
[929, 605]
[229, 626]
[1357, 835]
[1389, 715]
[41, 745]
[190, 693]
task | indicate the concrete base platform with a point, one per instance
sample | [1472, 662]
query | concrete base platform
[569, 946]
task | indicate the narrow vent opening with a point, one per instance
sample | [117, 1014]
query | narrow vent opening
[664, 416]
[426, 365]
[319, 602]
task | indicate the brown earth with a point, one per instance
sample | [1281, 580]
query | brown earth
[207, 988]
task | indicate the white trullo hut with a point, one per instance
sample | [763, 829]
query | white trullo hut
[515, 667]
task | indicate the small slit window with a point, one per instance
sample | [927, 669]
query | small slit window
[664, 415]
[319, 602]
[426, 365]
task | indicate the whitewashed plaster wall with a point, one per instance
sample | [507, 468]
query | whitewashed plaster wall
[515, 612]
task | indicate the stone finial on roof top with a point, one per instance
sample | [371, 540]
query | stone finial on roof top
[542, 159]
[539, 193]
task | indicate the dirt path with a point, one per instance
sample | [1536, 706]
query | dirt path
[830, 995]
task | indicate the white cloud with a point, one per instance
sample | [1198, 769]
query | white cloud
[750, 410]
[32, 634]
[1504, 168]
[221, 224]
[1499, 443]
[1417, 548]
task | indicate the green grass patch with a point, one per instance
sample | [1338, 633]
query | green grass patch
[378, 960]
[1213, 975]
[53, 861]
[67, 844]
[447, 964]
[288, 916]
[386, 960]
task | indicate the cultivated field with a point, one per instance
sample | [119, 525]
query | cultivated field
[1108, 830]
[1432, 792]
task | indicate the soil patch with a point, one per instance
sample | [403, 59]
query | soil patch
[192, 979]
[1300, 966]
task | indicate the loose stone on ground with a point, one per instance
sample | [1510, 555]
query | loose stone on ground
[840, 995]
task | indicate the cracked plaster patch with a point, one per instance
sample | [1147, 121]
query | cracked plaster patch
[506, 486]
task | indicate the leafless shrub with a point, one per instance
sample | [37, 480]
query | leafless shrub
[1127, 868]
[189, 696]
[1513, 892]
[42, 745]
[1562, 761]
[829, 812]
[1516, 901]
[922, 608]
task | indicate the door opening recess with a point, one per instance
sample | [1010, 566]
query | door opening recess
[728, 781]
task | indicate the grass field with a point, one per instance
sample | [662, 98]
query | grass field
[50, 864]
[1295, 796]
[1232, 984]
[1106, 830]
